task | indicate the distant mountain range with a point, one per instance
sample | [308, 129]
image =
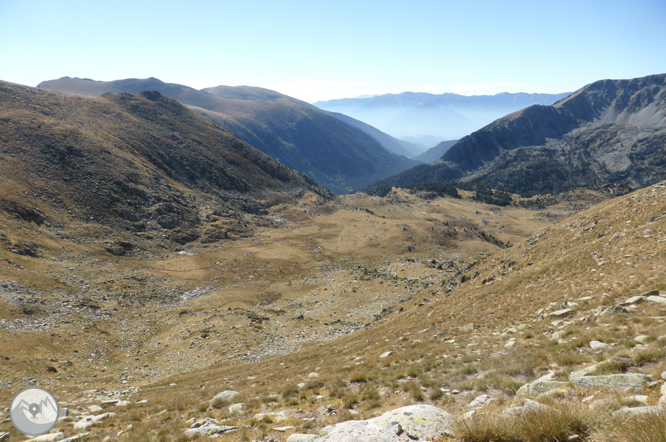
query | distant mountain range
[428, 118]
[335, 154]
[141, 164]
[435, 153]
[611, 131]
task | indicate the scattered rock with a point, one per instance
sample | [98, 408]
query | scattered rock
[510, 343]
[94, 408]
[48, 437]
[583, 372]
[109, 403]
[528, 406]
[538, 387]
[635, 300]
[613, 382]
[275, 417]
[386, 354]
[236, 408]
[557, 335]
[4, 435]
[89, 421]
[597, 345]
[469, 327]
[416, 422]
[480, 401]
[209, 430]
[313, 375]
[637, 411]
[296, 437]
[641, 339]
[283, 429]
[561, 313]
[656, 299]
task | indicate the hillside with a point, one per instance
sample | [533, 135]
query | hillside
[336, 155]
[422, 117]
[141, 163]
[611, 131]
[398, 147]
[435, 153]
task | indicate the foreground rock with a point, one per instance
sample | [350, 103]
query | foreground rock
[414, 422]
[613, 382]
[223, 398]
[209, 430]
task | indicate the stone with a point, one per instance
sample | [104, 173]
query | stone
[109, 403]
[76, 437]
[561, 313]
[538, 387]
[313, 375]
[662, 402]
[597, 345]
[209, 430]
[51, 437]
[582, 372]
[641, 339]
[663, 375]
[557, 335]
[612, 310]
[663, 390]
[638, 399]
[297, 437]
[414, 422]
[275, 417]
[301, 385]
[236, 408]
[637, 411]
[283, 429]
[656, 299]
[634, 300]
[510, 343]
[4, 435]
[650, 293]
[94, 408]
[529, 406]
[89, 421]
[480, 401]
[469, 327]
[223, 398]
[613, 382]
[522, 327]
[547, 377]
[386, 354]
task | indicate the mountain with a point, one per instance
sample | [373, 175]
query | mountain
[398, 147]
[336, 155]
[140, 164]
[611, 131]
[435, 153]
[420, 116]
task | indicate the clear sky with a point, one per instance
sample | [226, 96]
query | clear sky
[319, 49]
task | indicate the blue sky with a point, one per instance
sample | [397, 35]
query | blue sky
[318, 50]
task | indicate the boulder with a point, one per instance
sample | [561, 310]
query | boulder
[223, 398]
[236, 408]
[529, 406]
[414, 422]
[637, 411]
[313, 375]
[275, 417]
[538, 387]
[613, 382]
[582, 372]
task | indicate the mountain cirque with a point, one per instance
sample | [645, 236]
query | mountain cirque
[611, 131]
[335, 154]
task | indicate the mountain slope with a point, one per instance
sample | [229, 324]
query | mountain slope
[134, 163]
[299, 135]
[611, 131]
[412, 115]
[435, 153]
[398, 147]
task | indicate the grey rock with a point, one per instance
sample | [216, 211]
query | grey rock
[297, 437]
[109, 403]
[283, 429]
[613, 382]
[539, 387]
[415, 422]
[561, 313]
[386, 354]
[612, 310]
[597, 345]
[275, 417]
[236, 408]
[48, 437]
[656, 299]
[209, 430]
[529, 406]
[637, 411]
[94, 408]
[4, 435]
[480, 401]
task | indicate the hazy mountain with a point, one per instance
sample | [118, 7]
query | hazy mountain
[435, 153]
[137, 163]
[611, 131]
[297, 134]
[421, 116]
